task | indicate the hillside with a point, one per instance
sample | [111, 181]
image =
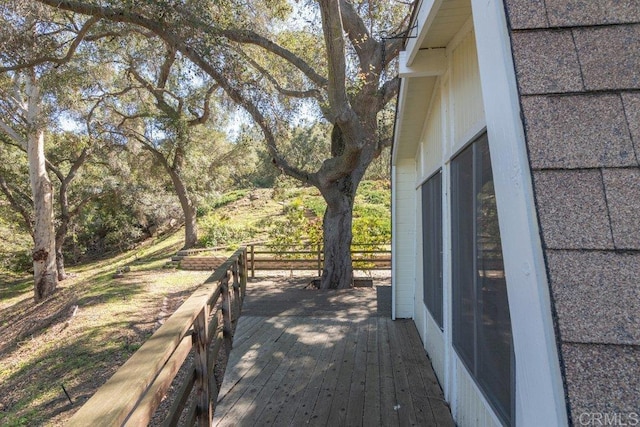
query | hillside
[94, 322]
[293, 214]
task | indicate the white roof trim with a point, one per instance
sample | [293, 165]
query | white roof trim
[400, 113]
[427, 63]
[427, 11]
[540, 398]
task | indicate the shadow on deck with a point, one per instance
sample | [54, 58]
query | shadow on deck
[322, 358]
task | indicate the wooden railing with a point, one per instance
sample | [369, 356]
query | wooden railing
[263, 256]
[201, 325]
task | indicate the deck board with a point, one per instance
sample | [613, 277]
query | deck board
[357, 368]
[297, 397]
[304, 411]
[340, 398]
[388, 412]
[371, 416]
[355, 404]
[322, 407]
[404, 403]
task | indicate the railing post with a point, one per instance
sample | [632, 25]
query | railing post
[236, 289]
[226, 314]
[204, 411]
[253, 261]
[243, 274]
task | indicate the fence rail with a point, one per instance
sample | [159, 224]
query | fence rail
[261, 256]
[202, 325]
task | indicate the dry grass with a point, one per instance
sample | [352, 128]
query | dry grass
[84, 332]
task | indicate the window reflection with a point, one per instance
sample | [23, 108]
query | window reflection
[481, 321]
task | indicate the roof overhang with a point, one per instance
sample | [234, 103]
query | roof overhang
[423, 60]
[413, 103]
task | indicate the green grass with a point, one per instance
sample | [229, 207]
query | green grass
[48, 347]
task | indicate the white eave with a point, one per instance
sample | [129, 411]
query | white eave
[415, 94]
[420, 64]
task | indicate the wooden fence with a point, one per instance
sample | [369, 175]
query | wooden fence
[202, 325]
[262, 256]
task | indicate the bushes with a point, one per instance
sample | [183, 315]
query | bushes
[303, 216]
[216, 230]
[295, 228]
[229, 197]
[15, 244]
[300, 219]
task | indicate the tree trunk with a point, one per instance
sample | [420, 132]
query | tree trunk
[61, 234]
[190, 226]
[337, 235]
[44, 252]
[189, 211]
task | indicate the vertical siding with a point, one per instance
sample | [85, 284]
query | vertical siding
[466, 92]
[434, 344]
[404, 235]
[471, 408]
[432, 139]
[419, 307]
[431, 160]
[455, 116]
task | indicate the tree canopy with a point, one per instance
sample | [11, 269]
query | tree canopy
[163, 64]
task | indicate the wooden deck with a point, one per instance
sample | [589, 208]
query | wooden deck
[296, 363]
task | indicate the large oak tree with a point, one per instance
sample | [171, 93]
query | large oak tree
[344, 69]
[159, 103]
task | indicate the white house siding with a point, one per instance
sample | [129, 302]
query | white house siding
[434, 343]
[467, 115]
[470, 408]
[431, 142]
[404, 237]
[430, 155]
[453, 115]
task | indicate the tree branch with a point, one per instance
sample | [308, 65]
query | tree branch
[53, 168]
[153, 25]
[366, 47]
[4, 187]
[53, 59]
[250, 37]
[311, 93]
[165, 69]
[206, 109]
[76, 165]
[158, 94]
[388, 91]
[332, 25]
[392, 49]
[11, 133]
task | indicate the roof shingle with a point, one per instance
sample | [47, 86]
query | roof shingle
[544, 70]
[577, 131]
[564, 13]
[527, 14]
[602, 379]
[609, 56]
[572, 209]
[597, 295]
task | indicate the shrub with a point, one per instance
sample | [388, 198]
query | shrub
[375, 192]
[229, 197]
[218, 231]
[374, 230]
